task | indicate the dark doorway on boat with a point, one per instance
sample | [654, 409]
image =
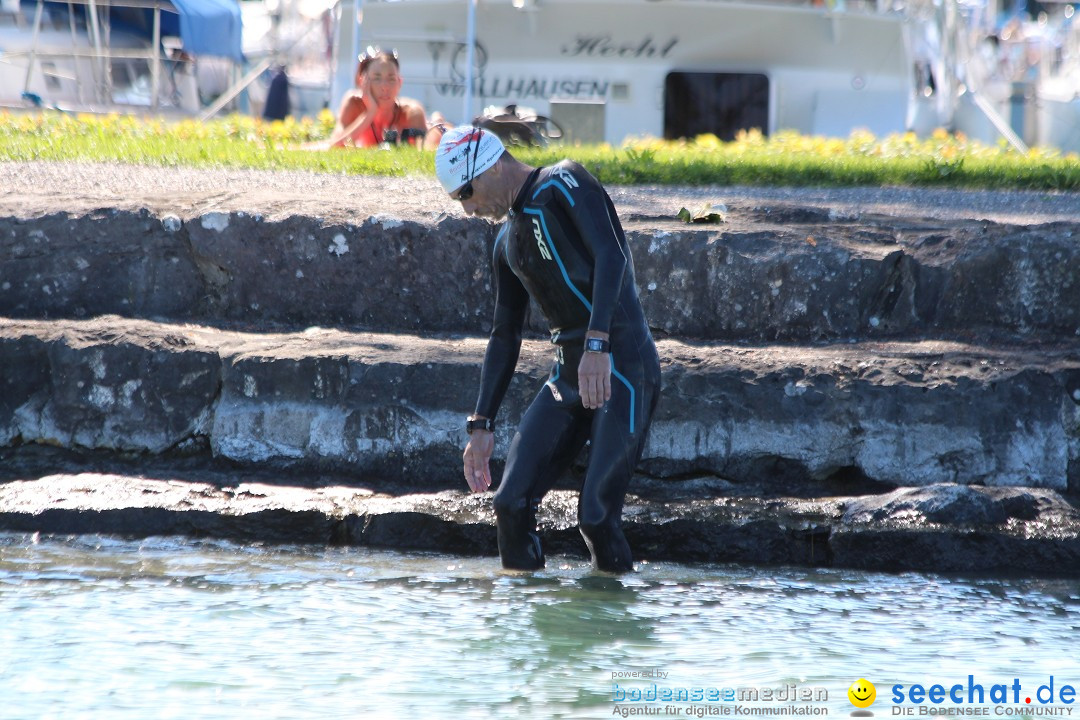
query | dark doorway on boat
[717, 103]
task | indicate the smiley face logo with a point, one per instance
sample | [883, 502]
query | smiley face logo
[862, 693]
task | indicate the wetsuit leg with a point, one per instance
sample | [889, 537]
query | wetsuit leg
[550, 436]
[618, 436]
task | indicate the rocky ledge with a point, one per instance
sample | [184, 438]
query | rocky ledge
[865, 378]
[391, 405]
[780, 272]
[940, 528]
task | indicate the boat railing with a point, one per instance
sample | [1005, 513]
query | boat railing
[100, 50]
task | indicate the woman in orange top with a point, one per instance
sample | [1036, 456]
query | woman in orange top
[373, 108]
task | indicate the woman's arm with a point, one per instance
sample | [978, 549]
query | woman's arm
[413, 116]
[353, 118]
[414, 119]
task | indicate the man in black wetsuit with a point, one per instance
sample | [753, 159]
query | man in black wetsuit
[562, 244]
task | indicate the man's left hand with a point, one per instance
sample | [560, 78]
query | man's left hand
[594, 379]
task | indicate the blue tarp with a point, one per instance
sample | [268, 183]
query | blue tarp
[210, 27]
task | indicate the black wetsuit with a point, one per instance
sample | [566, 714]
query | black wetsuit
[562, 244]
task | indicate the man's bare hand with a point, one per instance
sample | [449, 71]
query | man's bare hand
[594, 379]
[477, 458]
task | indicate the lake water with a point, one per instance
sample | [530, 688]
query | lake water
[95, 627]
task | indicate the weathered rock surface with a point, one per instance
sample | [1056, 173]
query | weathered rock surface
[799, 276]
[773, 273]
[932, 529]
[392, 405]
[105, 390]
[962, 528]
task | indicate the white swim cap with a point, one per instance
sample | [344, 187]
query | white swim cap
[465, 152]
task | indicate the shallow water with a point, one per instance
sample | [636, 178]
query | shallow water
[96, 627]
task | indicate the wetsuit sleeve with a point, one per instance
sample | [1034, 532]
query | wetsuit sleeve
[504, 344]
[590, 214]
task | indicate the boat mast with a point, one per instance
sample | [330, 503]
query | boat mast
[470, 45]
[95, 36]
[34, 44]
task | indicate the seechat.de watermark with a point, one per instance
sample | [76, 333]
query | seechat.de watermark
[975, 698]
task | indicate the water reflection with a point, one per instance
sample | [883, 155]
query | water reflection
[577, 630]
[98, 627]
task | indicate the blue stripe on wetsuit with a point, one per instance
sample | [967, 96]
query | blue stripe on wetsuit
[502, 233]
[555, 253]
[552, 381]
[551, 245]
[555, 182]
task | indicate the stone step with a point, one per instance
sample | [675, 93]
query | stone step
[773, 272]
[391, 406]
[939, 528]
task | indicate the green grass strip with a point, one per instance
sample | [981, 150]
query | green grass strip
[787, 158]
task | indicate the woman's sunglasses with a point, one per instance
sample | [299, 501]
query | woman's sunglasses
[374, 52]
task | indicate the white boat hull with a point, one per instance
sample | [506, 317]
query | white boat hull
[827, 73]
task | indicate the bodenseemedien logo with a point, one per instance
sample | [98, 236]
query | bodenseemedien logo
[662, 695]
[862, 694]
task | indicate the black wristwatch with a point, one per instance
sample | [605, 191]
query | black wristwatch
[479, 424]
[597, 345]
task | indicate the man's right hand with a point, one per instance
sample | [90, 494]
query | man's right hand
[477, 457]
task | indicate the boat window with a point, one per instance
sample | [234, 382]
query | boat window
[696, 103]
